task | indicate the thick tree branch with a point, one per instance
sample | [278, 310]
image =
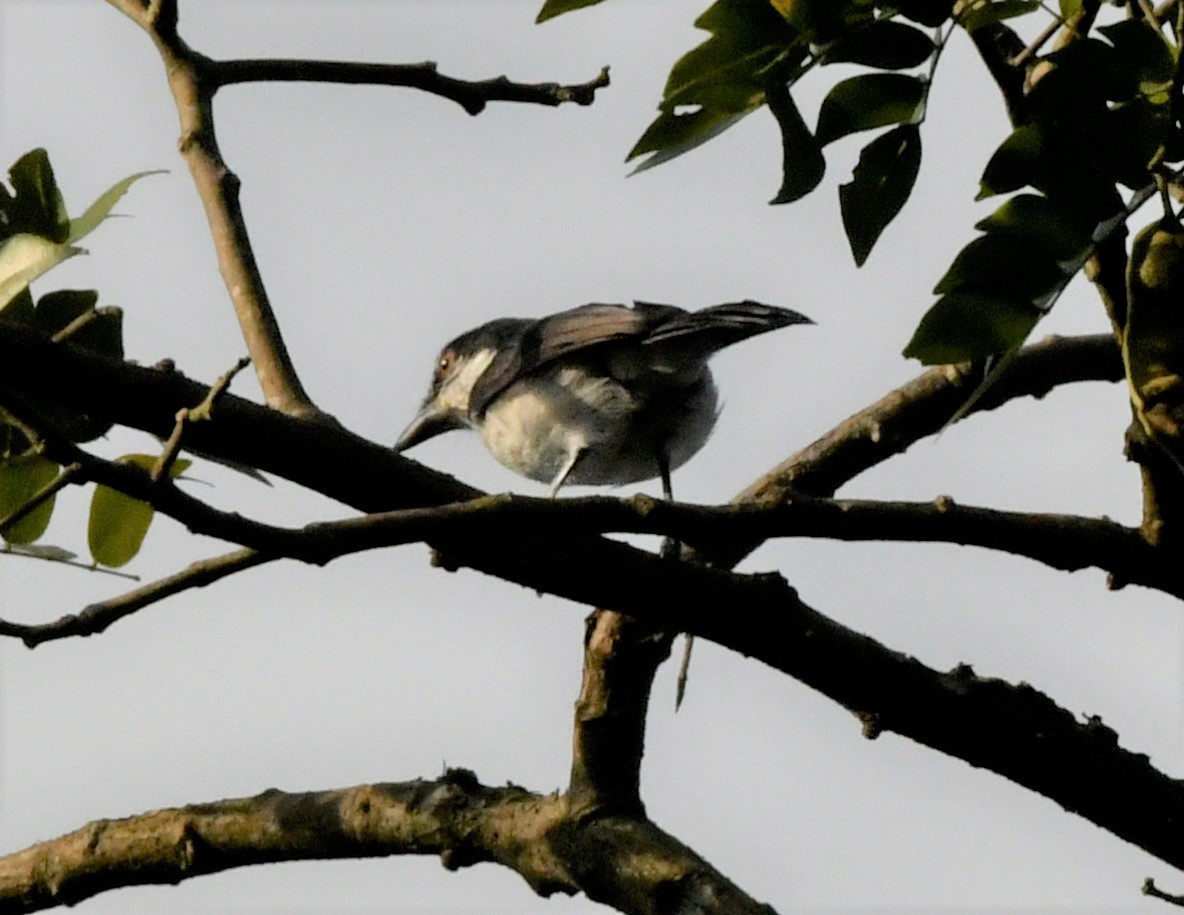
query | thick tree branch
[916, 410]
[472, 95]
[1013, 731]
[627, 863]
[621, 656]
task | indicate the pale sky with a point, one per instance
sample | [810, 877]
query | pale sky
[386, 222]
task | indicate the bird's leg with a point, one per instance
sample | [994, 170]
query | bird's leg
[565, 471]
[672, 549]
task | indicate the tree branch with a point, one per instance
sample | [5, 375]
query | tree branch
[1012, 730]
[627, 863]
[96, 617]
[473, 96]
[621, 656]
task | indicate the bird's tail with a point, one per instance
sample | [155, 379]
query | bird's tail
[722, 325]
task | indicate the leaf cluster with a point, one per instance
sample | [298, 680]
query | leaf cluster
[37, 234]
[1098, 114]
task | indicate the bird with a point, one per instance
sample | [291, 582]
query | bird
[600, 394]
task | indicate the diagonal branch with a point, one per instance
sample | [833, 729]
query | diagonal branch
[218, 187]
[472, 95]
[627, 863]
[194, 79]
[1012, 730]
[97, 617]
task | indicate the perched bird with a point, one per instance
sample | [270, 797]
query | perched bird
[596, 395]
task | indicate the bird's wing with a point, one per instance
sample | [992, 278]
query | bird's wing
[562, 334]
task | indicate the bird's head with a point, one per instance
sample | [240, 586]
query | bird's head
[459, 367]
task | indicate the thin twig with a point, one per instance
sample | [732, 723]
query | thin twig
[186, 415]
[472, 95]
[69, 474]
[62, 557]
[1150, 889]
[97, 617]
[83, 320]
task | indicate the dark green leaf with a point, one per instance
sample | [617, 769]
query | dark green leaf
[869, 101]
[672, 135]
[803, 164]
[553, 8]
[118, 523]
[21, 478]
[883, 43]
[1143, 57]
[881, 184]
[1002, 264]
[1034, 220]
[1137, 131]
[19, 309]
[747, 36]
[1015, 163]
[971, 324]
[103, 334]
[931, 13]
[984, 13]
[37, 207]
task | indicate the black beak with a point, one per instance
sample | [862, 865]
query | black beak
[431, 421]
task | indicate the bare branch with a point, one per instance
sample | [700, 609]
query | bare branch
[627, 863]
[193, 87]
[473, 96]
[187, 415]
[1150, 889]
[1012, 730]
[97, 617]
[621, 656]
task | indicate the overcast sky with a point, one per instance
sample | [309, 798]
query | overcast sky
[386, 222]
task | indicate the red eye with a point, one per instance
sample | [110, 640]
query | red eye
[444, 364]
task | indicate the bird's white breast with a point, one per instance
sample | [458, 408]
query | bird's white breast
[534, 429]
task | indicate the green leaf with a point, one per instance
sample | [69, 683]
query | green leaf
[24, 257]
[117, 527]
[19, 309]
[884, 44]
[1002, 264]
[989, 11]
[553, 8]
[971, 324]
[102, 335]
[869, 101]
[931, 13]
[37, 206]
[1014, 164]
[672, 135]
[747, 37]
[715, 84]
[1144, 60]
[802, 162]
[118, 523]
[880, 185]
[21, 478]
[1035, 221]
[101, 208]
